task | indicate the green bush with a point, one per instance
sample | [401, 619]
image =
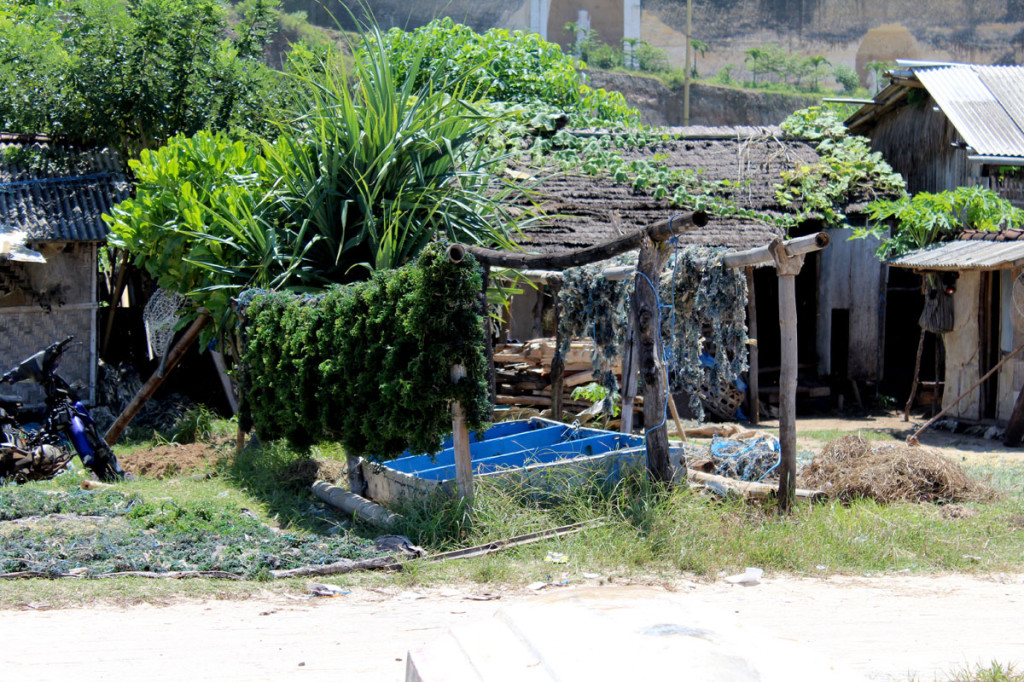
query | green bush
[503, 66]
[368, 364]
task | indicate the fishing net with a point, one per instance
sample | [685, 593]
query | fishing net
[850, 467]
[703, 325]
[160, 316]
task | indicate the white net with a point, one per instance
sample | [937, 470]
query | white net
[159, 316]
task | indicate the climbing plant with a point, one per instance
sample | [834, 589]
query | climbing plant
[367, 364]
[847, 169]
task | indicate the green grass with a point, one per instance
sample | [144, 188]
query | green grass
[644, 533]
[996, 672]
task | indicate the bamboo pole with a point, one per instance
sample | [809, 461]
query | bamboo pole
[912, 439]
[149, 388]
[460, 443]
[686, 67]
[762, 255]
[122, 268]
[658, 232]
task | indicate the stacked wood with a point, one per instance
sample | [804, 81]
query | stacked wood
[523, 372]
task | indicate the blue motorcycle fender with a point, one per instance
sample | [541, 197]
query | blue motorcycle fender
[79, 438]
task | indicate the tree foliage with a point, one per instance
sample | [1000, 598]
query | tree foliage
[364, 172]
[132, 74]
[504, 66]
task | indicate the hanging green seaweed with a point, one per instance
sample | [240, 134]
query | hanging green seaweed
[710, 303]
[368, 364]
[593, 306]
[708, 326]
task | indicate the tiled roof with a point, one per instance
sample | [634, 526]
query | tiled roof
[57, 193]
[985, 235]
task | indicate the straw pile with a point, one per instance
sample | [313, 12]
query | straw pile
[850, 467]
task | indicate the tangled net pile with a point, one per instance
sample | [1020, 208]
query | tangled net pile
[705, 297]
[850, 467]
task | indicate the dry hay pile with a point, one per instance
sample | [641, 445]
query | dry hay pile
[850, 467]
[304, 471]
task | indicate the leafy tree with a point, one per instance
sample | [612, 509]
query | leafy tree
[698, 47]
[132, 74]
[846, 77]
[815, 67]
[879, 69]
[363, 173]
[502, 66]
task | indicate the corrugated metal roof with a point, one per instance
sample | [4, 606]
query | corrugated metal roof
[984, 103]
[964, 255]
[55, 193]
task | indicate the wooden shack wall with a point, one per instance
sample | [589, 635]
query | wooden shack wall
[67, 283]
[917, 141]
[850, 277]
[962, 347]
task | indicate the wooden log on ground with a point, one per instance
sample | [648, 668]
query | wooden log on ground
[150, 387]
[752, 489]
[658, 232]
[339, 567]
[354, 505]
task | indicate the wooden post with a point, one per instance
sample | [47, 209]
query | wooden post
[1015, 428]
[686, 67]
[787, 267]
[460, 443]
[115, 300]
[485, 318]
[912, 439]
[917, 377]
[753, 363]
[647, 319]
[629, 377]
[149, 388]
[225, 380]
[557, 362]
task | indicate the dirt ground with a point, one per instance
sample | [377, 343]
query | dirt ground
[174, 459]
[884, 628]
[887, 627]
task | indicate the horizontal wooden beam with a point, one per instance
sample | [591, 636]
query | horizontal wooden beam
[659, 232]
[762, 256]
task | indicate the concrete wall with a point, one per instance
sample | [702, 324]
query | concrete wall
[961, 345]
[851, 278]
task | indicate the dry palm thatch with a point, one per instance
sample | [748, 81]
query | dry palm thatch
[850, 467]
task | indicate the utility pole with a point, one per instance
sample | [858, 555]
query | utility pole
[686, 78]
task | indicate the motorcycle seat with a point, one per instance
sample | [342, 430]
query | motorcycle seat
[10, 401]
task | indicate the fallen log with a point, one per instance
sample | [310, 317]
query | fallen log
[354, 505]
[339, 567]
[750, 489]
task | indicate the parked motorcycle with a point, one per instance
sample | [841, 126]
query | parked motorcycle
[42, 454]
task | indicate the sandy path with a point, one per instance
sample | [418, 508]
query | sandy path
[886, 628]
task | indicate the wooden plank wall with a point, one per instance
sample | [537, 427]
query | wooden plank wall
[850, 277]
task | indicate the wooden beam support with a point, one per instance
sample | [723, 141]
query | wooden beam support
[647, 321]
[788, 266]
[149, 388]
[762, 255]
[753, 377]
[485, 320]
[557, 362]
[658, 232]
[460, 443]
